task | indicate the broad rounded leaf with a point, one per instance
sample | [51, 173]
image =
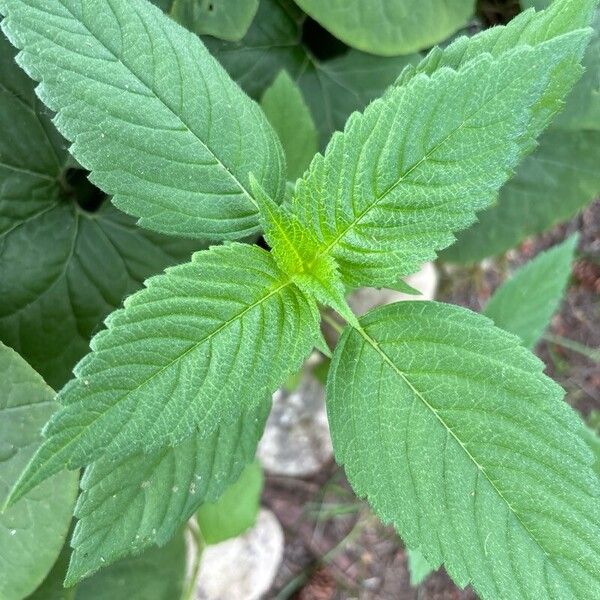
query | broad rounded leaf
[32, 531]
[128, 505]
[203, 343]
[452, 431]
[418, 163]
[390, 27]
[152, 115]
[525, 303]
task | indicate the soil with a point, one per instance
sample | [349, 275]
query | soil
[335, 549]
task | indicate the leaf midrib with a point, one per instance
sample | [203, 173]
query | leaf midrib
[327, 249]
[130, 70]
[193, 348]
[375, 345]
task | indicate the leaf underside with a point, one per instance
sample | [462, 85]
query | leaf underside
[451, 430]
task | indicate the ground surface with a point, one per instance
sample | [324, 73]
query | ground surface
[335, 549]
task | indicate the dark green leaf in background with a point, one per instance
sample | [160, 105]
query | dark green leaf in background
[63, 268]
[332, 88]
[32, 531]
[225, 19]
[551, 185]
[525, 303]
[235, 511]
[157, 574]
[53, 587]
[390, 27]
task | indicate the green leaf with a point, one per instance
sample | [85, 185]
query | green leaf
[593, 441]
[201, 344]
[129, 505]
[157, 574]
[296, 252]
[225, 19]
[417, 164]
[333, 89]
[236, 510]
[561, 176]
[291, 119]
[529, 29]
[55, 292]
[551, 185]
[152, 115]
[52, 587]
[452, 431]
[582, 111]
[388, 27]
[32, 531]
[418, 567]
[525, 303]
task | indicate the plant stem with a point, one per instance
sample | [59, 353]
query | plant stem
[190, 591]
[573, 346]
[331, 321]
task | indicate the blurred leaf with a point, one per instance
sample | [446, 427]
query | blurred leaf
[526, 302]
[290, 117]
[418, 567]
[389, 27]
[32, 531]
[52, 587]
[235, 511]
[157, 574]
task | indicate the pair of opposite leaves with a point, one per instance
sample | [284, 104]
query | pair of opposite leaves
[388, 193]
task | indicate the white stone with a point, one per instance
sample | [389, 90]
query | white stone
[243, 568]
[296, 441]
[425, 281]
